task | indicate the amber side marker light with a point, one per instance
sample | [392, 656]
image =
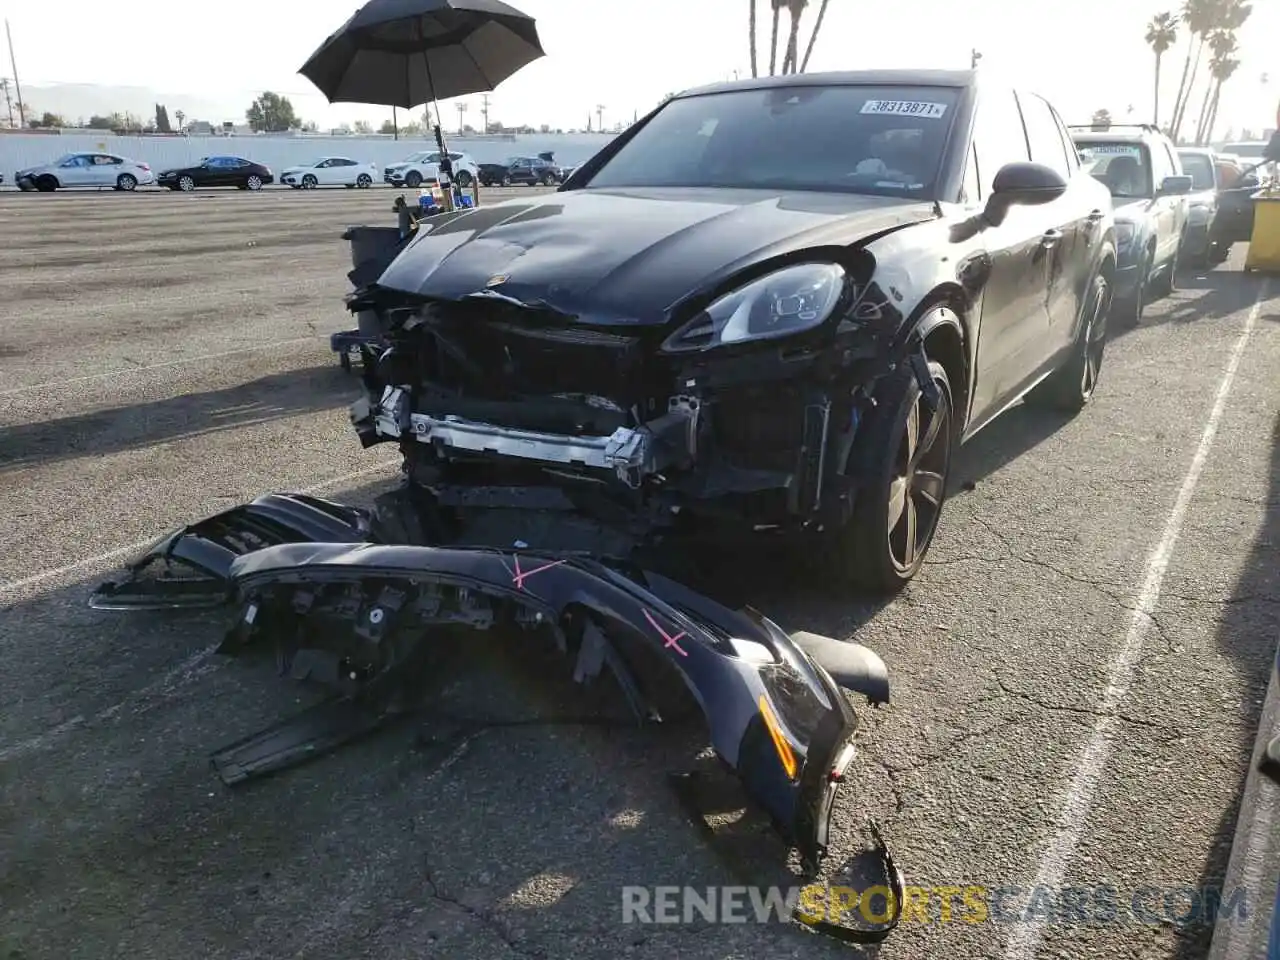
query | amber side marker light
[780, 744]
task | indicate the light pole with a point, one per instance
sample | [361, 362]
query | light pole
[974, 56]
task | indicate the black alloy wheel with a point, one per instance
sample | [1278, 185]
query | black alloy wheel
[1069, 388]
[905, 451]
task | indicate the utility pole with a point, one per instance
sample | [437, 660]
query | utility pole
[462, 109]
[4, 85]
[974, 56]
[484, 111]
[600, 117]
[22, 118]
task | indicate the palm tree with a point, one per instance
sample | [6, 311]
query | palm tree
[1223, 44]
[808, 51]
[1200, 16]
[1162, 33]
[752, 29]
[1220, 70]
[773, 40]
[1101, 119]
[796, 9]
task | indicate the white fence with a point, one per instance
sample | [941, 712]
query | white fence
[20, 150]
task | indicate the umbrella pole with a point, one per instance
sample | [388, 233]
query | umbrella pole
[445, 175]
[395, 123]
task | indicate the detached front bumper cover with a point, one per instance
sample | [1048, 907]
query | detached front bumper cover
[362, 617]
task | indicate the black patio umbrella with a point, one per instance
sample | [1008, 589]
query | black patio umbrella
[400, 53]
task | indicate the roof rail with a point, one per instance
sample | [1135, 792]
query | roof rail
[1150, 127]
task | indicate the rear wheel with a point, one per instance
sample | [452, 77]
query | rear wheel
[1128, 312]
[1071, 386]
[126, 182]
[506, 181]
[906, 459]
[549, 180]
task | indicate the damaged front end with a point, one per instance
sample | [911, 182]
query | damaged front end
[739, 413]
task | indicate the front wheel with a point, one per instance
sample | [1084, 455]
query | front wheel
[309, 182]
[254, 182]
[413, 179]
[186, 184]
[905, 454]
[46, 184]
[364, 181]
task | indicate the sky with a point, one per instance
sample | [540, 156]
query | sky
[1083, 55]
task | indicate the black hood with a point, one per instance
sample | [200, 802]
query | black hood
[628, 256]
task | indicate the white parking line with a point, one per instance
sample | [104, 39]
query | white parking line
[88, 563]
[1026, 938]
[52, 384]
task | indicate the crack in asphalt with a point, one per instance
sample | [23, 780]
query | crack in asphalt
[487, 918]
[1008, 692]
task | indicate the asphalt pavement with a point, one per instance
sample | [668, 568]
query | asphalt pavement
[1078, 672]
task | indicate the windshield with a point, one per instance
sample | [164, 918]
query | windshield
[850, 139]
[1200, 169]
[1247, 149]
[1124, 168]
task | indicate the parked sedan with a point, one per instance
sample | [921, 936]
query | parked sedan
[86, 170]
[711, 333]
[330, 172]
[218, 172]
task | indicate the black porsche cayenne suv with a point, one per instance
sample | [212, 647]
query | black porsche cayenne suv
[771, 308]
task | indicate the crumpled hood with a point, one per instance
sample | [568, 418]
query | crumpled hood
[629, 256]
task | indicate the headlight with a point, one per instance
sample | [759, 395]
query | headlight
[1124, 235]
[779, 304]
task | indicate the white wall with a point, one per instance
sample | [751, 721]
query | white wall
[21, 150]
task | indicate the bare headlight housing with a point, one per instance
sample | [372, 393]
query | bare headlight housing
[779, 304]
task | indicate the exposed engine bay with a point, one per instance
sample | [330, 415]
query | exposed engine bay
[505, 404]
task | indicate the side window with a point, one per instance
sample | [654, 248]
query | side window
[1068, 145]
[999, 137]
[1042, 134]
[1161, 166]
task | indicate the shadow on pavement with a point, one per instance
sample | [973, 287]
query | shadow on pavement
[514, 841]
[274, 397]
[1200, 298]
[1247, 638]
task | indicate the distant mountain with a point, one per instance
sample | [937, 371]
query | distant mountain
[73, 101]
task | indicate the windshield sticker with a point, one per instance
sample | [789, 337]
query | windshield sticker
[1113, 150]
[905, 108]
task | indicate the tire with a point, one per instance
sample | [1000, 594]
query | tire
[1069, 388]
[364, 181]
[309, 182]
[413, 179]
[506, 181]
[254, 182]
[464, 178]
[186, 183]
[1128, 312]
[1168, 279]
[869, 553]
[127, 182]
[548, 181]
[47, 184]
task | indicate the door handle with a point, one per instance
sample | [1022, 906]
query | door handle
[1095, 216]
[1050, 238]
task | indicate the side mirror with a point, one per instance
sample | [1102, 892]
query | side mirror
[1022, 184]
[1178, 186]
